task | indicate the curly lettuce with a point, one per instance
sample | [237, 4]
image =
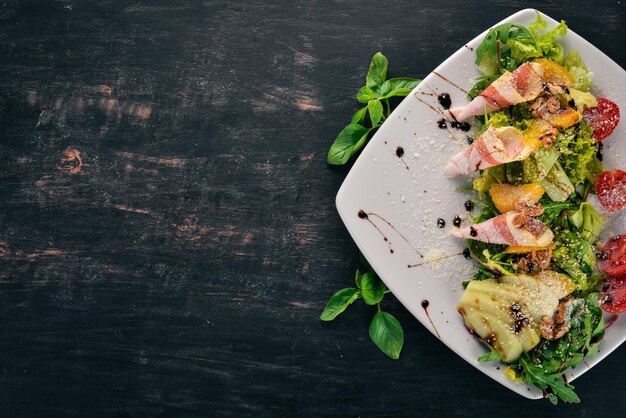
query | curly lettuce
[543, 43]
[578, 152]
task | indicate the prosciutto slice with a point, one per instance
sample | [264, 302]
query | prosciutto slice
[511, 228]
[522, 85]
[494, 147]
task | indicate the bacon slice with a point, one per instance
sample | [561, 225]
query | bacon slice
[521, 85]
[494, 147]
[511, 228]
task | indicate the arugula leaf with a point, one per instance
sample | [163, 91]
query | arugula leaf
[372, 288]
[339, 302]
[377, 72]
[490, 51]
[552, 210]
[482, 83]
[387, 334]
[491, 355]
[375, 108]
[348, 142]
[552, 383]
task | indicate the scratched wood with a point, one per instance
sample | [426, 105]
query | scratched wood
[168, 235]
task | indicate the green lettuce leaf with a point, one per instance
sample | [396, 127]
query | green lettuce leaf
[576, 67]
[587, 220]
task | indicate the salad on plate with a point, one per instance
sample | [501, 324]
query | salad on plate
[542, 198]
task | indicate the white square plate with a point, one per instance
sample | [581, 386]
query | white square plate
[404, 196]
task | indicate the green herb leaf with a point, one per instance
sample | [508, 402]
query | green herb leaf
[377, 72]
[551, 382]
[348, 142]
[492, 355]
[372, 288]
[400, 86]
[359, 116]
[490, 52]
[339, 302]
[387, 334]
[375, 108]
[357, 278]
[365, 94]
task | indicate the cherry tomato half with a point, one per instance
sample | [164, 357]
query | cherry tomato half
[611, 190]
[613, 256]
[603, 118]
[613, 294]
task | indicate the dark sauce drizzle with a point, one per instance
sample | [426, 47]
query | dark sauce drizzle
[366, 215]
[450, 82]
[425, 304]
[433, 261]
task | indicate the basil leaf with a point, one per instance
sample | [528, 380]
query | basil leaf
[339, 302]
[372, 288]
[365, 94]
[375, 108]
[349, 141]
[387, 334]
[400, 86]
[359, 116]
[357, 278]
[377, 72]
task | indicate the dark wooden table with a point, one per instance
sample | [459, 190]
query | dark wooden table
[168, 235]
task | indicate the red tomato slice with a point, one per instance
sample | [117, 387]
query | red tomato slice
[613, 294]
[613, 256]
[603, 118]
[611, 190]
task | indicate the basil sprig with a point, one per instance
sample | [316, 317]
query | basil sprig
[384, 329]
[375, 95]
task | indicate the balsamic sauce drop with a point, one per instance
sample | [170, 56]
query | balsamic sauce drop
[457, 221]
[441, 223]
[441, 123]
[399, 152]
[444, 100]
[464, 126]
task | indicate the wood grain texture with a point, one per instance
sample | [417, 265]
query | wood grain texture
[168, 235]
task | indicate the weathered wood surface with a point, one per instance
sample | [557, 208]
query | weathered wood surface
[168, 235]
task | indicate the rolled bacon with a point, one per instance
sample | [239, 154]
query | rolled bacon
[494, 147]
[511, 228]
[522, 85]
